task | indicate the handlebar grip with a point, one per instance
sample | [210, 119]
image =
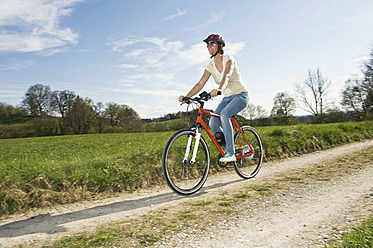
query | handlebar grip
[219, 93]
[186, 99]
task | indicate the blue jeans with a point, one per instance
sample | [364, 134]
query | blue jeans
[228, 107]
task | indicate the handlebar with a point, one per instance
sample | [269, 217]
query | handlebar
[204, 96]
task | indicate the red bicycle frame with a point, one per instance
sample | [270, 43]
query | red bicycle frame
[236, 128]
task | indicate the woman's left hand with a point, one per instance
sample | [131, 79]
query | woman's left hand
[214, 92]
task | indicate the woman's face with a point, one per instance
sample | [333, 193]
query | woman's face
[212, 46]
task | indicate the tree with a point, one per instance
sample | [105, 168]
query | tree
[123, 116]
[111, 113]
[249, 112]
[368, 67]
[260, 112]
[368, 81]
[38, 100]
[255, 113]
[312, 93]
[283, 109]
[129, 119]
[100, 110]
[63, 101]
[334, 115]
[7, 110]
[358, 92]
[82, 115]
[355, 97]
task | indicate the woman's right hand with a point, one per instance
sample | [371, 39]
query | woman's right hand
[181, 98]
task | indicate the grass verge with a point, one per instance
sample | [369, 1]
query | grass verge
[360, 236]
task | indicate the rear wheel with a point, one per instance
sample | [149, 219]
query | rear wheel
[183, 175]
[249, 159]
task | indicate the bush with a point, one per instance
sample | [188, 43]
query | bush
[17, 131]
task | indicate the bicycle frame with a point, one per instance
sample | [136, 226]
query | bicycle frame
[236, 128]
[186, 173]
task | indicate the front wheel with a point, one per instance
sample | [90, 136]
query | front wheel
[182, 174]
[249, 152]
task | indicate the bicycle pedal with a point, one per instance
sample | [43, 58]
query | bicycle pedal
[222, 164]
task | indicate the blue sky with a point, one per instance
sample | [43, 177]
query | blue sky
[146, 53]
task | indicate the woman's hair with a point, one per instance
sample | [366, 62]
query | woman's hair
[220, 48]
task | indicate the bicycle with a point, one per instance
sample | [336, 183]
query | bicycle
[186, 157]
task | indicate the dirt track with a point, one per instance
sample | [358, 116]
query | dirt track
[304, 217]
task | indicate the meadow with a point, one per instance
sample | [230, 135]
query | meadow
[43, 171]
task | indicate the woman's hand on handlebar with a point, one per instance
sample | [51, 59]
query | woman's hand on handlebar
[181, 98]
[215, 92]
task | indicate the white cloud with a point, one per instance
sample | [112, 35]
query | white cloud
[234, 48]
[214, 17]
[360, 59]
[9, 93]
[152, 92]
[127, 66]
[33, 26]
[178, 14]
[151, 111]
[156, 52]
[15, 66]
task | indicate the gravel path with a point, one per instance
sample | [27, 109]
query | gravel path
[299, 219]
[306, 217]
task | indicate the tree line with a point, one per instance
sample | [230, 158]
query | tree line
[63, 112]
[48, 112]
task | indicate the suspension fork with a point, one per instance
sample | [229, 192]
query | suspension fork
[189, 145]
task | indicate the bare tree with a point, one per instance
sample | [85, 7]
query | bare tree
[254, 112]
[312, 93]
[38, 99]
[260, 112]
[249, 112]
[63, 101]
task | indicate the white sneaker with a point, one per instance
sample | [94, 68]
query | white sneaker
[229, 157]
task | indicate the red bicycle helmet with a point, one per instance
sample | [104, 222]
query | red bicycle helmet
[215, 37]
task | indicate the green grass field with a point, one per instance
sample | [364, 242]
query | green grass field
[359, 236]
[37, 172]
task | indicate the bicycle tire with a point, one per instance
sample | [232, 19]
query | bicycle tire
[183, 177]
[248, 167]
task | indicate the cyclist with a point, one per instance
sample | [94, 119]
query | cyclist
[224, 70]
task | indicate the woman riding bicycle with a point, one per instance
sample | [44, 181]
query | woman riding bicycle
[224, 70]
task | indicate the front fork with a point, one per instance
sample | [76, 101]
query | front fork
[189, 145]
